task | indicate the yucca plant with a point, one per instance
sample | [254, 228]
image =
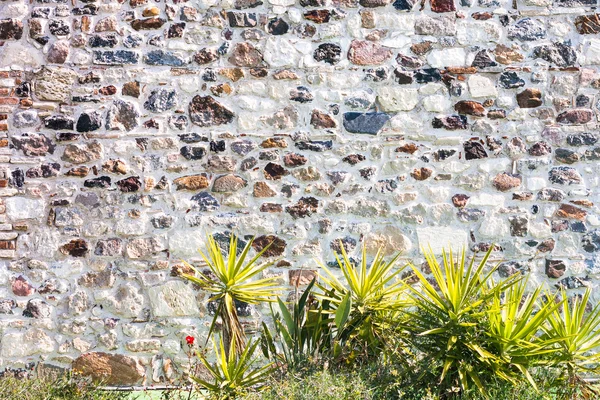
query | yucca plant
[233, 278]
[516, 318]
[233, 374]
[447, 322]
[574, 331]
[300, 331]
[361, 301]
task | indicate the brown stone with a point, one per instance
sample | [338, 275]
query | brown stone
[318, 16]
[442, 6]
[506, 55]
[58, 52]
[229, 183]
[262, 189]
[148, 23]
[115, 166]
[409, 148]
[294, 160]
[546, 246]
[588, 24]
[505, 182]
[11, 28]
[469, 107]
[301, 277]
[131, 89]
[274, 142]
[321, 120]
[191, 182]
[529, 98]
[421, 48]
[575, 117]
[109, 369]
[571, 212]
[221, 89]
[460, 200]
[245, 55]
[274, 171]
[271, 208]
[367, 53]
[583, 203]
[482, 16]
[206, 111]
[75, 248]
[422, 173]
[285, 74]
[234, 74]
[206, 55]
[79, 172]
[276, 245]
[555, 268]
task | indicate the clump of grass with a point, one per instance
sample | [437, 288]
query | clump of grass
[64, 387]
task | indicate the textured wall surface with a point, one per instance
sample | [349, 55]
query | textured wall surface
[129, 129]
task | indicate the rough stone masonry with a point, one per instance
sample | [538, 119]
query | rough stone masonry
[130, 129]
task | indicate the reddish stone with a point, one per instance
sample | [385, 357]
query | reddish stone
[571, 212]
[318, 16]
[294, 160]
[421, 174]
[20, 287]
[504, 182]
[442, 6]
[409, 148]
[529, 98]
[321, 120]
[470, 108]
[555, 268]
[460, 200]
[148, 23]
[367, 53]
[574, 117]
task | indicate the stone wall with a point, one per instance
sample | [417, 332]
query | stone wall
[129, 129]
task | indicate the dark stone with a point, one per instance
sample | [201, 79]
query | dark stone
[294, 160]
[564, 176]
[427, 75]
[368, 123]
[217, 146]
[510, 80]
[176, 30]
[116, 57]
[527, 29]
[442, 154]
[592, 154]
[469, 107]
[508, 268]
[540, 149]
[206, 111]
[315, 145]
[33, 144]
[44, 171]
[555, 268]
[328, 52]
[318, 16]
[192, 138]
[275, 171]
[442, 6]
[17, 178]
[403, 77]
[192, 152]
[404, 5]
[354, 159]
[347, 242]
[575, 117]
[102, 182]
[474, 150]
[10, 29]
[248, 163]
[588, 24]
[109, 40]
[162, 57]
[518, 225]
[305, 207]
[148, 23]
[301, 94]
[450, 122]
[591, 241]
[242, 309]
[89, 121]
[559, 54]
[578, 226]
[573, 282]
[131, 184]
[59, 27]
[276, 246]
[582, 139]
[205, 201]
[75, 248]
[241, 19]
[277, 26]
[37, 308]
[59, 122]
[161, 100]
[566, 156]
[483, 59]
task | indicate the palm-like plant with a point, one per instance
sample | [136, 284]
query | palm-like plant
[516, 317]
[362, 300]
[446, 319]
[574, 331]
[233, 278]
[233, 374]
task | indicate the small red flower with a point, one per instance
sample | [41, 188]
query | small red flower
[190, 340]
